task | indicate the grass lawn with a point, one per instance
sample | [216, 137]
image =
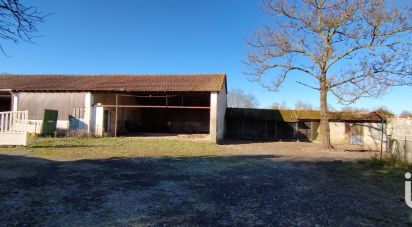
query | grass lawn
[76, 148]
[372, 172]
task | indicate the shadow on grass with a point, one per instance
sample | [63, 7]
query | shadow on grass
[62, 146]
[204, 190]
[235, 141]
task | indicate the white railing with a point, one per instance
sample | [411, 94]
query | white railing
[13, 128]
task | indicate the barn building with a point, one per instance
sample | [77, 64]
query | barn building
[121, 104]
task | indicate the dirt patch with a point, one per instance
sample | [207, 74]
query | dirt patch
[297, 151]
[246, 184]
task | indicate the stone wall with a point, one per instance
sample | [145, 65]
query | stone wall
[372, 135]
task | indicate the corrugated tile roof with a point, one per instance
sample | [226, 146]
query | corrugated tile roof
[132, 83]
[300, 115]
[339, 116]
[262, 114]
[307, 114]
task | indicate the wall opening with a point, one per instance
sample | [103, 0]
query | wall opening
[165, 113]
[5, 102]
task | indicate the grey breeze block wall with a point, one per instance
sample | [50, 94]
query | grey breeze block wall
[400, 129]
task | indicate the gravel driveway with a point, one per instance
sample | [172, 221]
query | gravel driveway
[249, 184]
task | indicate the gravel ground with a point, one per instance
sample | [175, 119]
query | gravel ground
[248, 184]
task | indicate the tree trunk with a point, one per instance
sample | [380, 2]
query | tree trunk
[324, 117]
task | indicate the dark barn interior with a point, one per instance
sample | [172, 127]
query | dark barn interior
[172, 121]
[308, 130]
[261, 124]
[177, 113]
[5, 102]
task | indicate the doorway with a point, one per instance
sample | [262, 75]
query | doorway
[5, 102]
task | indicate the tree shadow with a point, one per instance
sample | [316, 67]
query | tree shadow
[234, 141]
[201, 190]
[62, 146]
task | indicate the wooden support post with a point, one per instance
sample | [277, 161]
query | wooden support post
[266, 130]
[167, 101]
[296, 132]
[115, 121]
[311, 131]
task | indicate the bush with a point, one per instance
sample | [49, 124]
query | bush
[389, 160]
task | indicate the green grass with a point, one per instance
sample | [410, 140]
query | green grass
[75, 148]
[388, 173]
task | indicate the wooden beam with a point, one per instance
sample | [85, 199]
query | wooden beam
[165, 107]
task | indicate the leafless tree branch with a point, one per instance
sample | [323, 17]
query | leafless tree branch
[353, 48]
[18, 22]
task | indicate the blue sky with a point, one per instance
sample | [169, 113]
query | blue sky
[151, 37]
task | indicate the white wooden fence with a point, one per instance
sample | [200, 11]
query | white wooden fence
[13, 128]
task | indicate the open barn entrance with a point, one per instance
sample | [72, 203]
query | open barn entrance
[5, 101]
[162, 113]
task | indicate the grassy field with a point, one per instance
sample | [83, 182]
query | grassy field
[76, 148]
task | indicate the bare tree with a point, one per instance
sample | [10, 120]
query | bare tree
[300, 105]
[406, 114]
[384, 111]
[239, 99]
[18, 22]
[347, 48]
[279, 106]
[354, 109]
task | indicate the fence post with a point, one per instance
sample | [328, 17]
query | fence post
[405, 150]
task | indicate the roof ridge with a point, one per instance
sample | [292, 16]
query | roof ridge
[119, 74]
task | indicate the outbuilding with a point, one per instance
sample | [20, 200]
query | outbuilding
[355, 128]
[115, 105]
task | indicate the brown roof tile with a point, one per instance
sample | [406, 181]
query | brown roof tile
[181, 82]
[262, 114]
[339, 116]
[301, 115]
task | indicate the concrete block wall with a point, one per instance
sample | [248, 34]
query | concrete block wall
[400, 129]
[337, 133]
[372, 134]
